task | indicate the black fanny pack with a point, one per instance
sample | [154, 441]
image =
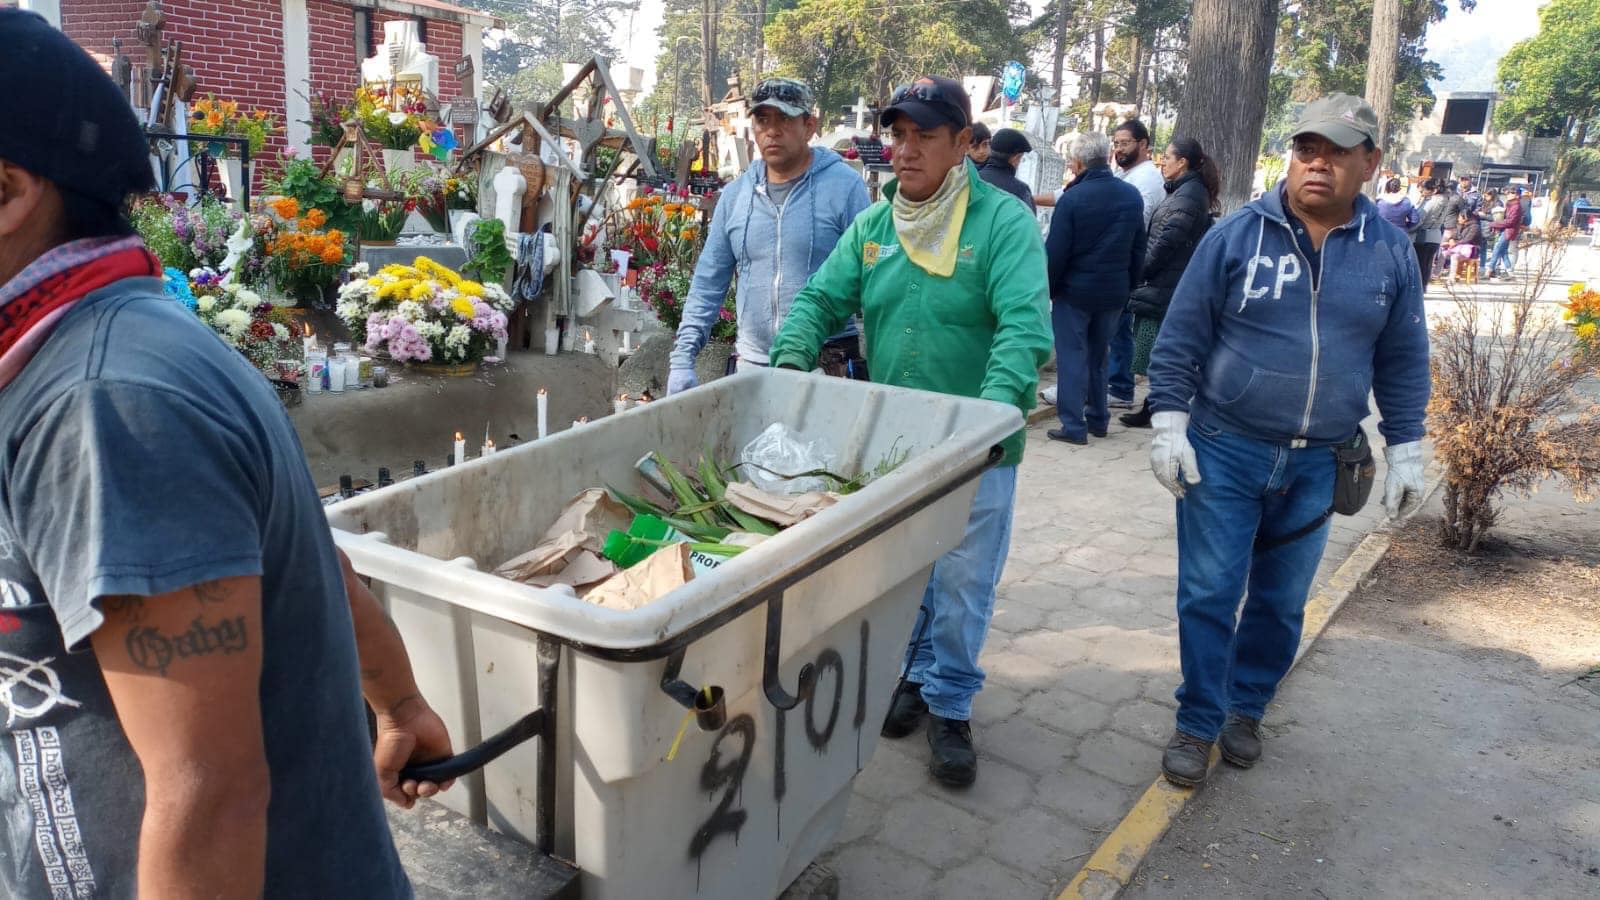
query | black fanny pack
[1353, 475]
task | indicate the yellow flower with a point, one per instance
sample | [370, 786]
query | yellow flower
[421, 291]
[462, 306]
[1586, 331]
[470, 288]
[1569, 314]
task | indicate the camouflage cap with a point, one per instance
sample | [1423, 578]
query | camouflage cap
[1341, 118]
[790, 97]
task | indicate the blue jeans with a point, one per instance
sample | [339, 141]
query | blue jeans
[1500, 260]
[1233, 659]
[1081, 338]
[1120, 382]
[959, 602]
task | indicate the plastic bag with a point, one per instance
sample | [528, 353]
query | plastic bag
[782, 451]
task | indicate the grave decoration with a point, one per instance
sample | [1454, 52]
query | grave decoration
[424, 313]
[185, 237]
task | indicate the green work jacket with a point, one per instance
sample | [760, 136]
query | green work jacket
[982, 332]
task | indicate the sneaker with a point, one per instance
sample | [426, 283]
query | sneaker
[1119, 403]
[906, 710]
[953, 762]
[1240, 741]
[1056, 434]
[1186, 759]
[1048, 395]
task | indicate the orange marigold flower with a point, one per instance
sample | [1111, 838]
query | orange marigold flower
[286, 208]
[332, 255]
[317, 218]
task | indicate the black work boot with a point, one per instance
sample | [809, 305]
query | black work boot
[1241, 740]
[906, 710]
[1186, 759]
[954, 762]
[1140, 419]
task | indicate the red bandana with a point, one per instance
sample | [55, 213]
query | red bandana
[21, 313]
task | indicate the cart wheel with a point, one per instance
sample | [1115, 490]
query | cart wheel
[817, 882]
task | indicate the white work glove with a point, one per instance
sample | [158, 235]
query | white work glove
[681, 380]
[1171, 456]
[1402, 488]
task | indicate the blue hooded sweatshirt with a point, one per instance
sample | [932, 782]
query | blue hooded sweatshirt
[1250, 347]
[772, 249]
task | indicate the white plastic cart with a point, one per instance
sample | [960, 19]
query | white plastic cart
[797, 642]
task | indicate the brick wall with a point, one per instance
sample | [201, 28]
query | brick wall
[335, 71]
[235, 47]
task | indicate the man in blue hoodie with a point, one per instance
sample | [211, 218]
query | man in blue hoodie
[774, 225]
[1291, 310]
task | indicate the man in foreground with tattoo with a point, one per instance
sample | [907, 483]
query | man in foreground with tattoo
[182, 652]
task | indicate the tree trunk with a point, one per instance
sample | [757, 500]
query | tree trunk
[1383, 59]
[1136, 73]
[1225, 93]
[761, 43]
[708, 52]
[1063, 20]
[1099, 66]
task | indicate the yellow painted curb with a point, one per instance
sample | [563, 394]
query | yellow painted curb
[1113, 864]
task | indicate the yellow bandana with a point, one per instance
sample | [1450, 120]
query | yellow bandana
[930, 229]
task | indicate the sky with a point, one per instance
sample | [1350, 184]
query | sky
[1468, 45]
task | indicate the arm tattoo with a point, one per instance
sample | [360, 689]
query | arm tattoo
[131, 608]
[154, 651]
[210, 592]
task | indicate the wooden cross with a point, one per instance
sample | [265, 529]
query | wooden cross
[355, 187]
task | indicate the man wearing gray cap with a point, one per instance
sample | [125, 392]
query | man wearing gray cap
[1006, 150]
[1291, 310]
[774, 225]
[186, 652]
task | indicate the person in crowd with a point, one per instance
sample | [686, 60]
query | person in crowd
[1396, 207]
[981, 145]
[1471, 199]
[1462, 244]
[1007, 148]
[1452, 201]
[1130, 146]
[1507, 227]
[1096, 250]
[774, 225]
[1428, 232]
[1291, 309]
[193, 648]
[949, 273]
[1194, 189]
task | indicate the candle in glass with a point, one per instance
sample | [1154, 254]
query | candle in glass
[460, 449]
[544, 412]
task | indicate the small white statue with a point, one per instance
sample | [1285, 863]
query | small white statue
[402, 53]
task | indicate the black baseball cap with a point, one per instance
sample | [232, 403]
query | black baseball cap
[1007, 141]
[930, 101]
[71, 125]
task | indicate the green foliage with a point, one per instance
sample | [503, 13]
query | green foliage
[1554, 76]
[490, 259]
[846, 48]
[1323, 47]
[525, 60]
[299, 179]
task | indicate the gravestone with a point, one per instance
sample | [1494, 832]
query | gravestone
[402, 53]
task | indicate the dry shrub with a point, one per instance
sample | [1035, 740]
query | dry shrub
[1505, 413]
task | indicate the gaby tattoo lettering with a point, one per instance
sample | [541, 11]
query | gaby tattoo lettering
[154, 651]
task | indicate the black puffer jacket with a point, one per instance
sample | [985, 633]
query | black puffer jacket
[1177, 226]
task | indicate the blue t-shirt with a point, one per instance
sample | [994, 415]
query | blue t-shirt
[140, 455]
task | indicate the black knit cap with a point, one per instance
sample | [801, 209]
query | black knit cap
[67, 120]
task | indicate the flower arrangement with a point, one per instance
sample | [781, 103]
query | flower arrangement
[1583, 311]
[302, 180]
[664, 290]
[238, 315]
[395, 116]
[303, 255]
[185, 237]
[425, 192]
[211, 116]
[653, 227]
[424, 312]
[327, 119]
[461, 191]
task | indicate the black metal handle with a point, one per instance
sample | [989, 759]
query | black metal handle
[710, 710]
[526, 728]
[776, 695]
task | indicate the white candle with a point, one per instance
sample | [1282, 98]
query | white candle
[336, 374]
[576, 423]
[620, 404]
[488, 447]
[588, 342]
[461, 449]
[309, 340]
[552, 341]
[544, 413]
[627, 342]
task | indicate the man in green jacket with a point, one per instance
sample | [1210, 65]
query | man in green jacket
[950, 276]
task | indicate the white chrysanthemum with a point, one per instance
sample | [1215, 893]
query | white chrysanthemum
[280, 332]
[430, 331]
[360, 270]
[233, 323]
[410, 310]
[458, 338]
[205, 304]
[248, 299]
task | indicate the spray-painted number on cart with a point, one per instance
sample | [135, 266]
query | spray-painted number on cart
[723, 772]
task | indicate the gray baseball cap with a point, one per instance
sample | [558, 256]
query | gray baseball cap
[1341, 118]
[790, 97]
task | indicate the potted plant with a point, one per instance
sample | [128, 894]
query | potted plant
[425, 315]
[223, 118]
[394, 119]
[304, 256]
